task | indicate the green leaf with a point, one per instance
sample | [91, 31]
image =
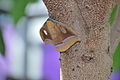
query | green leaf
[18, 9]
[2, 45]
[113, 14]
[116, 59]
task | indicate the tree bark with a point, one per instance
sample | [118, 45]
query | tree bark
[90, 58]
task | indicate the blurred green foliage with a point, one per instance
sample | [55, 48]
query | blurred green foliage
[116, 55]
[2, 45]
[113, 14]
[116, 59]
[18, 9]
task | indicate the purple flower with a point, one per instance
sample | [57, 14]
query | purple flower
[115, 76]
[5, 60]
[51, 63]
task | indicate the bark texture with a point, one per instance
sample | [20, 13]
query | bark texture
[90, 58]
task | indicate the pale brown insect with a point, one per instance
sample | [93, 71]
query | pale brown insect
[58, 34]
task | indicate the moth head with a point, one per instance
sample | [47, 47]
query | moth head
[58, 34]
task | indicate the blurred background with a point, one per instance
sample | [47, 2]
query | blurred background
[23, 55]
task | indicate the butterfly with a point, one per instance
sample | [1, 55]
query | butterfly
[56, 33]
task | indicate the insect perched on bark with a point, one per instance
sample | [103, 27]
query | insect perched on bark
[58, 34]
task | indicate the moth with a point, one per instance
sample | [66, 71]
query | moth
[56, 33]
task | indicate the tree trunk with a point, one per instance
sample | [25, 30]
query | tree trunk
[90, 58]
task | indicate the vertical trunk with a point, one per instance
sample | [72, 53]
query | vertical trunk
[88, 59]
